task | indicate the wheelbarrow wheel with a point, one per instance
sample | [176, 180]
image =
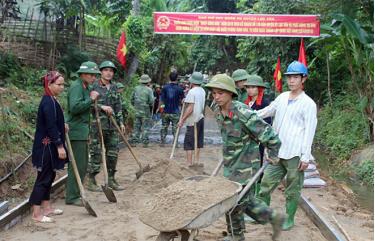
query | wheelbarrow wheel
[168, 236]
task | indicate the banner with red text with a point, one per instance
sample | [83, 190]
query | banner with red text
[237, 24]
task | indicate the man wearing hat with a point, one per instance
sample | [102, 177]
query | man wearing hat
[295, 122]
[240, 76]
[79, 104]
[241, 131]
[143, 101]
[193, 116]
[108, 103]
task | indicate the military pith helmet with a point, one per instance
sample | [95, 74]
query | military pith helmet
[120, 85]
[196, 78]
[240, 74]
[145, 79]
[255, 80]
[224, 82]
[107, 64]
[88, 68]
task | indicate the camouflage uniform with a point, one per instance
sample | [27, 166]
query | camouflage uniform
[108, 97]
[242, 95]
[269, 94]
[143, 101]
[242, 131]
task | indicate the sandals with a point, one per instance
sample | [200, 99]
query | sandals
[44, 219]
[55, 212]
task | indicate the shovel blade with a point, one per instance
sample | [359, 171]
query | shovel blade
[139, 173]
[88, 207]
[109, 193]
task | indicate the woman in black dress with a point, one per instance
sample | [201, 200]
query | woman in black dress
[49, 152]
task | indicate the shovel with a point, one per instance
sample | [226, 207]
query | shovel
[177, 132]
[141, 169]
[86, 204]
[106, 189]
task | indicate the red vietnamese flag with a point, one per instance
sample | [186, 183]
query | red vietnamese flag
[277, 76]
[302, 54]
[121, 50]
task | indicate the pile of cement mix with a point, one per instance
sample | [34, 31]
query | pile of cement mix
[162, 174]
[177, 205]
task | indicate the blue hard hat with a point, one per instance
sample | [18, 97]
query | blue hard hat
[296, 68]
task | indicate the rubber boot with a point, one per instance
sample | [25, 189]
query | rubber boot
[277, 221]
[112, 183]
[234, 238]
[91, 184]
[291, 209]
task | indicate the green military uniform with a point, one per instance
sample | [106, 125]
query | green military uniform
[78, 119]
[121, 86]
[242, 131]
[108, 97]
[143, 101]
[240, 75]
[269, 94]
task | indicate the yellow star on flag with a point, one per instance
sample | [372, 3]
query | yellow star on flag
[123, 49]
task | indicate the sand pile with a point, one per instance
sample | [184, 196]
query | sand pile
[175, 206]
[162, 174]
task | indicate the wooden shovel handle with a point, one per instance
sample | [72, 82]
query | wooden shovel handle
[126, 142]
[104, 159]
[74, 165]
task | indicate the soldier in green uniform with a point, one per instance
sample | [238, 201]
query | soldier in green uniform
[79, 103]
[240, 76]
[120, 90]
[269, 94]
[109, 103]
[143, 101]
[242, 131]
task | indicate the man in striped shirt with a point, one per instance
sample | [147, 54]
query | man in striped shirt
[295, 122]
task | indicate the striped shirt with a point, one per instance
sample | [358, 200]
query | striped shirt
[295, 122]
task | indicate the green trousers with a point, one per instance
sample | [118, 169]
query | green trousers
[142, 125]
[274, 174]
[111, 147]
[165, 120]
[253, 207]
[80, 152]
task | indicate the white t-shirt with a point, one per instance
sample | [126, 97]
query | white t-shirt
[196, 96]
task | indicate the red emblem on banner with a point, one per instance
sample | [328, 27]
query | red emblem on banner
[163, 22]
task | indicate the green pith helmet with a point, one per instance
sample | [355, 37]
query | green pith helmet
[145, 79]
[240, 74]
[255, 80]
[88, 68]
[268, 85]
[196, 78]
[120, 85]
[107, 64]
[157, 86]
[224, 82]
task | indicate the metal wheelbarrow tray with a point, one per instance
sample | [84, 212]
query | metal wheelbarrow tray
[203, 219]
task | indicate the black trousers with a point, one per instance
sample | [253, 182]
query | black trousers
[42, 187]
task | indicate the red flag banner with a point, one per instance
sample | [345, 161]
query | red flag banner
[121, 50]
[278, 77]
[237, 24]
[302, 53]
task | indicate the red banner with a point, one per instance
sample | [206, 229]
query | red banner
[237, 24]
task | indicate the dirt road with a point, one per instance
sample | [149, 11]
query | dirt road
[119, 221]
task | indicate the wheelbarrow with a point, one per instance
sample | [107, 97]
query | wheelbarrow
[190, 230]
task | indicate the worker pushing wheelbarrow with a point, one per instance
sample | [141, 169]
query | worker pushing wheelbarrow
[188, 209]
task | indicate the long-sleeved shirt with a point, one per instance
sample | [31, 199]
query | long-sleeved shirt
[171, 96]
[295, 122]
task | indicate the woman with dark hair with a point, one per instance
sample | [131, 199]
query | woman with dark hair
[49, 152]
